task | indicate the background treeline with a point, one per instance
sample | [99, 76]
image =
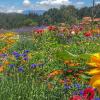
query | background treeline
[66, 14]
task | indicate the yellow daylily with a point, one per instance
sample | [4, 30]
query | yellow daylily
[94, 60]
[94, 71]
[95, 82]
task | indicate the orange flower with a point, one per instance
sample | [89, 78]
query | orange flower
[54, 73]
[1, 69]
[6, 63]
[73, 64]
[4, 49]
[67, 61]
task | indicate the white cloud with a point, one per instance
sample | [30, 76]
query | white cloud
[11, 9]
[80, 3]
[46, 4]
[26, 3]
[98, 2]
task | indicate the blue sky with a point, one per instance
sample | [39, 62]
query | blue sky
[20, 5]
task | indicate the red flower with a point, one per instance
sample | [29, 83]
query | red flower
[39, 31]
[89, 93]
[76, 97]
[69, 71]
[88, 34]
[52, 28]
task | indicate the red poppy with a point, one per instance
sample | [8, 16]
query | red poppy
[89, 93]
[76, 97]
[87, 34]
[52, 28]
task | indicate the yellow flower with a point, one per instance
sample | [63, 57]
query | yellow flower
[94, 60]
[95, 82]
[94, 71]
[10, 41]
[9, 34]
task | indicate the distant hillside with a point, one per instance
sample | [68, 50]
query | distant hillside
[38, 12]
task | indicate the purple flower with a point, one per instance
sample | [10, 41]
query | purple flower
[11, 65]
[3, 55]
[24, 54]
[33, 65]
[26, 58]
[26, 51]
[16, 54]
[21, 69]
[67, 87]
[77, 86]
[81, 92]
[97, 98]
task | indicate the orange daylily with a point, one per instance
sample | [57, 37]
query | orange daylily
[56, 72]
[1, 68]
[71, 63]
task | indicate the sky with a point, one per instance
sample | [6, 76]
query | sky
[18, 6]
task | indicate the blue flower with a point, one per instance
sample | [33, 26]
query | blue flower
[26, 51]
[11, 65]
[81, 92]
[97, 98]
[21, 69]
[26, 58]
[16, 54]
[3, 55]
[24, 54]
[77, 86]
[33, 65]
[67, 87]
